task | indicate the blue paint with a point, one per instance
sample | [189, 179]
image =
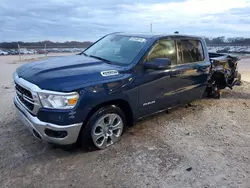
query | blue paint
[146, 91]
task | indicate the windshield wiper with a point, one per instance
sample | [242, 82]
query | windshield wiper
[83, 53]
[100, 58]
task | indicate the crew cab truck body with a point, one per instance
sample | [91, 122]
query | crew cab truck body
[92, 96]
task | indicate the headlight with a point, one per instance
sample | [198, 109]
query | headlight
[58, 100]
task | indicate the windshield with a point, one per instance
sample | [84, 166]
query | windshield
[116, 49]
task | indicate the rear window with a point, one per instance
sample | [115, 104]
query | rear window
[190, 51]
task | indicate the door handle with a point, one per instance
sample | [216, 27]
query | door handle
[176, 73]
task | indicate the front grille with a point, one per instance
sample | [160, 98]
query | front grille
[23, 91]
[25, 97]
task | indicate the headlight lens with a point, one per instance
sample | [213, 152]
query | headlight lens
[58, 101]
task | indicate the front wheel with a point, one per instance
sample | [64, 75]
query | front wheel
[103, 128]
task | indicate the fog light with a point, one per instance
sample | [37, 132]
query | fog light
[55, 134]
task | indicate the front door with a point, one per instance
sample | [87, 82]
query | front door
[157, 87]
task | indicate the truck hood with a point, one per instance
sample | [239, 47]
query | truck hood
[62, 73]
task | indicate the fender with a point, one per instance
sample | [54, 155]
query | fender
[117, 90]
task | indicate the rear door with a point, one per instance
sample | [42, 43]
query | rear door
[195, 69]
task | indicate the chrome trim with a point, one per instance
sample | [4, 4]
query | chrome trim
[33, 89]
[19, 93]
[28, 99]
[33, 123]
[25, 105]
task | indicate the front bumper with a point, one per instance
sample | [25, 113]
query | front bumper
[38, 127]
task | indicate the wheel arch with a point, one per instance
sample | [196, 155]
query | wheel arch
[121, 103]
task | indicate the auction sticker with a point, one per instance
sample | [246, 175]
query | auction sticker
[136, 39]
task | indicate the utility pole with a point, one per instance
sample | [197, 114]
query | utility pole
[151, 27]
[45, 51]
[18, 46]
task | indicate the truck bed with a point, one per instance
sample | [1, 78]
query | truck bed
[223, 57]
[224, 71]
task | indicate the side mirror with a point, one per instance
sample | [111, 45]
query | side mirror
[158, 64]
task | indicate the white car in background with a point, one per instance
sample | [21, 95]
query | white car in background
[3, 52]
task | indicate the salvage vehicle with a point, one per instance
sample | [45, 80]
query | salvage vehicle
[90, 98]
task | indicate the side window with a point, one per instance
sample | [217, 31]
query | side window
[190, 51]
[163, 49]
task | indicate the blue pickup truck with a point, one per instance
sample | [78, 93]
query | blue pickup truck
[91, 97]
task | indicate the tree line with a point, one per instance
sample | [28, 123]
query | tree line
[41, 44]
[76, 44]
[231, 41]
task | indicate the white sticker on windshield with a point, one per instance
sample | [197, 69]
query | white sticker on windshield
[137, 39]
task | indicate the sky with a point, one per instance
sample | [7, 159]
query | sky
[88, 20]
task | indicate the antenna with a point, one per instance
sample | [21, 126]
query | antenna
[151, 27]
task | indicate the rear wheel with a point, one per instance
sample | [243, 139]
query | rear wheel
[104, 128]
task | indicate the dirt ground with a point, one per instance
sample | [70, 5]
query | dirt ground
[204, 145]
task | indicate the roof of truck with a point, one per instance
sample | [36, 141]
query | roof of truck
[156, 35]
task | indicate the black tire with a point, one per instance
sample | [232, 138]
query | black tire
[239, 82]
[217, 94]
[85, 137]
[213, 91]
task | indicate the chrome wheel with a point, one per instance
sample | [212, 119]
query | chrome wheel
[107, 130]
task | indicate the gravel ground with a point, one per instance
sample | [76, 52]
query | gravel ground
[204, 145]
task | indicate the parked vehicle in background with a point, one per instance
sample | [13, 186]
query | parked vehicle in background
[13, 52]
[3, 52]
[41, 51]
[25, 51]
[90, 98]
